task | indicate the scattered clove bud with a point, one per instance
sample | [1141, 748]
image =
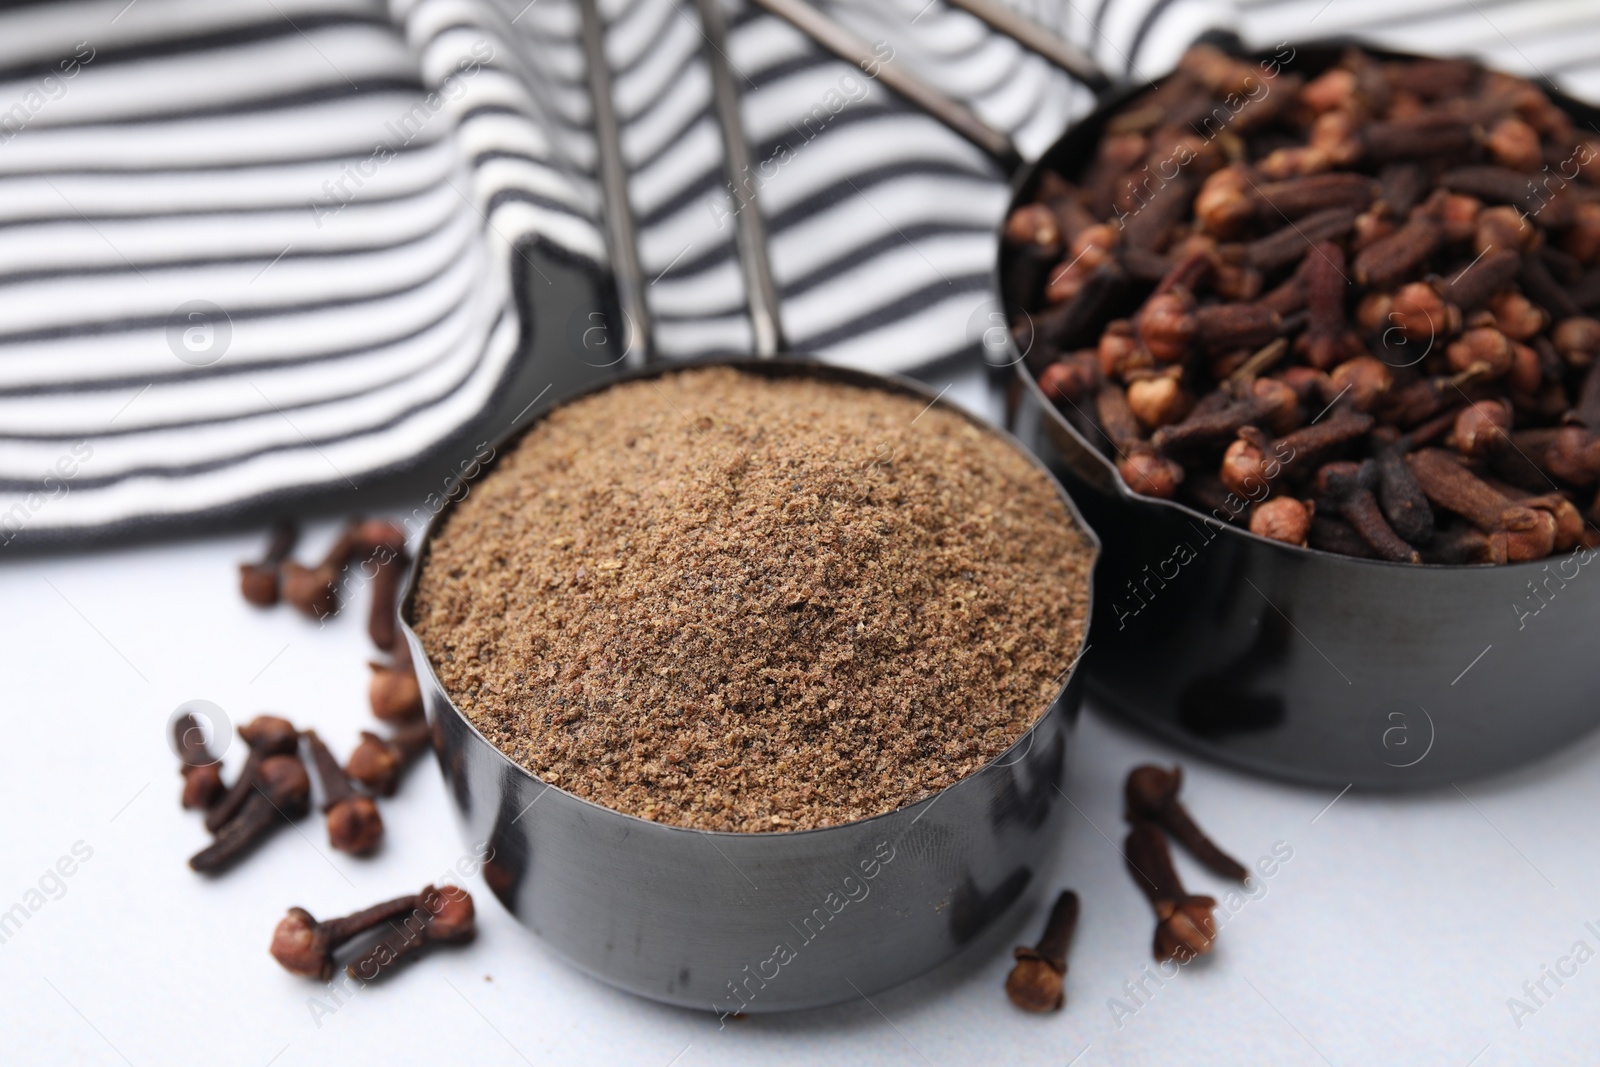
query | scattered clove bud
[1151, 795]
[281, 790]
[446, 916]
[1035, 983]
[394, 692]
[313, 591]
[258, 582]
[267, 735]
[377, 762]
[305, 946]
[202, 775]
[1185, 926]
[354, 825]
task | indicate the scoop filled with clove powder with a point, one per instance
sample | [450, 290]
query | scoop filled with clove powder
[733, 601]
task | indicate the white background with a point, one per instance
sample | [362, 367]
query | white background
[1396, 933]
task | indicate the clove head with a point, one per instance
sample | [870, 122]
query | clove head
[270, 735]
[1577, 339]
[1185, 928]
[377, 761]
[1420, 314]
[1035, 983]
[454, 917]
[1361, 382]
[375, 764]
[1159, 401]
[1245, 468]
[354, 825]
[1481, 428]
[394, 693]
[1068, 379]
[202, 786]
[258, 582]
[1167, 325]
[1484, 344]
[1283, 519]
[1151, 474]
[1151, 790]
[286, 784]
[310, 590]
[1120, 351]
[301, 945]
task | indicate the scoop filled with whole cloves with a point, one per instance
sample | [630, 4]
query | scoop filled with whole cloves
[1356, 312]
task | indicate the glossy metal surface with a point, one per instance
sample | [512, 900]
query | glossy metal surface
[1308, 666]
[758, 922]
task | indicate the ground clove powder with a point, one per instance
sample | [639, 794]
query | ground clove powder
[733, 602]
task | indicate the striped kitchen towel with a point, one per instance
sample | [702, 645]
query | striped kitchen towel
[257, 250]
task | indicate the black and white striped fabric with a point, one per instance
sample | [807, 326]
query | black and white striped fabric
[264, 248]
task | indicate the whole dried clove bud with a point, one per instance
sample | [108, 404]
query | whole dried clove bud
[1087, 251]
[1503, 227]
[1283, 519]
[202, 775]
[1149, 473]
[1529, 533]
[1035, 983]
[1515, 144]
[1577, 339]
[1361, 382]
[394, 693]
[377, 762]
[1518, 317]
[305, 946]
[1278, 402]
[258, 582]
[282, 789]
[1151, 795]
[267, 735]
[1071, 378]
[1420, 314]
[1226, 202]
[1485, 345]
[1328, 340]
[313, 590]
[446, 916]
[1185, 926]
[1246, 469]
[1482, 428]
[1120, 351]
[354, 825]
[1167, 325]
[1400, 497]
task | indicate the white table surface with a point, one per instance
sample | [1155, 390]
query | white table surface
[1397, 933]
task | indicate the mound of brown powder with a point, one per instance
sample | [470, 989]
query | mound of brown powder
[738, 603]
